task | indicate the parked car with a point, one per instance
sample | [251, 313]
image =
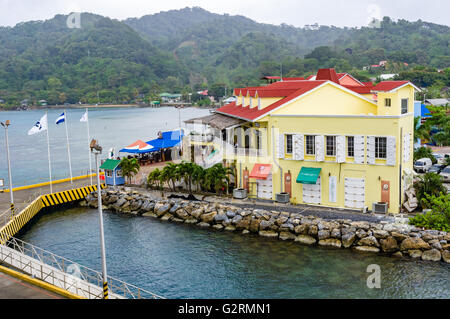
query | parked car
[445, 173]
[422, 165]
[436, 168]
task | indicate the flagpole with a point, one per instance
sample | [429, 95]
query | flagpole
[48, 148]
[68, 147]
[89, 144]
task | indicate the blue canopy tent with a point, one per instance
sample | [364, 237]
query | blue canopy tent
[169, 139]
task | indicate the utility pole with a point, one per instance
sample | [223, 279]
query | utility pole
[97, 149]
[5, 125]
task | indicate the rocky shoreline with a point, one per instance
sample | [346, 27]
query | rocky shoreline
[396, 240]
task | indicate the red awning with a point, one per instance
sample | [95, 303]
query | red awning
[261, 171]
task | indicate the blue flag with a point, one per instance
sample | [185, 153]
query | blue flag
[61, 118]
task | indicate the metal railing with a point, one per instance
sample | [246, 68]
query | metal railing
[67, 274]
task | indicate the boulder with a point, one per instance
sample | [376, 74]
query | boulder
[305, 239]
[167, 217]
[380, 234]
[191, 220]
[431, 255]
[219, 218]
[446, 256]
[286, 227]
[197, 213]
[181, 213]
[397, 254]
[177, 220]
[312, 230]
[254, 225]
[323, 234]
[265, 224]
[243, 224]
[368, 249]
[414, 243]
[203, 224]
[150, 214]
[208, 217]
[336, 233]
[236, 219]
[218, 226]
[268, 233]
[398, 236]
[361, 233]
[230, 214]
[389, 244]
[330, 242]
[284, 235]
[161, 209]
[415, 253]
[348, 239]
[361, 225]
[230, 228]
[369, 241]
[301, 229]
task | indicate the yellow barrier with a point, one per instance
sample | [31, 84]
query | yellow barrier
[39, 283]
[58, 181]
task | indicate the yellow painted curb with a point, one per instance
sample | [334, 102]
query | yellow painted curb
[58, 181]
[39, 283]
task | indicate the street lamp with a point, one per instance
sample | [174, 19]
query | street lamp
[97, 149]
[5, 125]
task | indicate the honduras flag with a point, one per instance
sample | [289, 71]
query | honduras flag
[61, 118]
[40, 125]
[84, 118]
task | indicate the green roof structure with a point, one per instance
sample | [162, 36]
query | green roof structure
[110, 164]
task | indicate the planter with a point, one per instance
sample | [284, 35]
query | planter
[282, 197]
[239, 193]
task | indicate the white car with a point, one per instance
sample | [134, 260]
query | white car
[422, 165]
[445, 173]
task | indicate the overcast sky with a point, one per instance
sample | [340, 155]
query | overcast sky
[294, 12]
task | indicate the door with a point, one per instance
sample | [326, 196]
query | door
[312, 193]
[354, 192]
[264, 187]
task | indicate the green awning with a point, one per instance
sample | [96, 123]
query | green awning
[110, 164]
[308, 175]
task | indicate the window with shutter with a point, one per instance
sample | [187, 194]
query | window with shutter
[381, 147]
[371, 150]
[350, 146]
[280, 148]
[340, 149]
[359, 147]
[320, 152]
[310, 145]
[298, 147]
[404, 106]
[390, 151]
[288, 143]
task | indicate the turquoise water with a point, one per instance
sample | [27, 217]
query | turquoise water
[112, 127]
[184, 261]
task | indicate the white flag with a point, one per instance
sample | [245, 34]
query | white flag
[40, 125]
[84, 118]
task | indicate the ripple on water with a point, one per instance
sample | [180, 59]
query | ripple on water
[183, 261]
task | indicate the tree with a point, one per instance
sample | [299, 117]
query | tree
[431, 184]
[153, 179]
[424, 152]
[187, 171]
[130, 167]
[171, 173]
[217, 177]
[421, 132]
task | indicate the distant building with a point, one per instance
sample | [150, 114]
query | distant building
[387, 76]
[168, 97]
[42, 102]
[437, 102]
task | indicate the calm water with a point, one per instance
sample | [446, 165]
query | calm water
[183, 261]
[112, 127]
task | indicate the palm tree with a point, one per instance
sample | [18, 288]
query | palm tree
[421, 132]
[171, 173]
[217, 177]
[198, 176]
[130, 167]
[187, 171]
[153, 179]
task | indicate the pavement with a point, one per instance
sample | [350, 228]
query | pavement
[14, 288]
[23, 197]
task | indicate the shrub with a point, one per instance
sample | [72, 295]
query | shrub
[430, 183]
[424, 152]
[439, 216]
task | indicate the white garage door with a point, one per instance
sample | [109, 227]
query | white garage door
[354, 192]
[264, 187]
[312, 193]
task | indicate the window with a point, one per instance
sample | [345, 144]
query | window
[380, 147]
[109, 173]
[387, 102]
[119, 173]
[350, 146]
[288, 143]
[310, 145]
[404, 106]
[331, 145]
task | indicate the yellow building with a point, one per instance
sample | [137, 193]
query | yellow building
[327, 143]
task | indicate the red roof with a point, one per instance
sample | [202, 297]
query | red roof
[261, 171]
[367, 83]
[293, 79]
[289, 90]
[388, 85]
[327, 74]
[359, 89]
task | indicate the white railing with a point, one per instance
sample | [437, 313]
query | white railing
[66, 274]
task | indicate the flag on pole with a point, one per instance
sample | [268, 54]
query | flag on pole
[84, 118]
[40, 126]
[61, 118]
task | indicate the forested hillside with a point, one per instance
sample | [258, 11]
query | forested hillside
[183, 50]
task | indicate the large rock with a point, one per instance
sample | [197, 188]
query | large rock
[313, 230]
[243, 224]
[330, 242]
[265, 224]
[284, 235]
[432, 255]
[399, 236]
[380, 234]
[167, 217]
[236, 219]
[161, 209]
[197, 213]
[305, 239]
[219, 218]
[348, 239]
[361, 233]
[414, 243]
[368, 249]
[301, 229]
[446, 256]
[323, 234]
[361, 225]
[254, 225]
[181, 213]
[336, 233]
[368, 241]
[208, 217]
[415, 253]
[389, 244]
[268, 233]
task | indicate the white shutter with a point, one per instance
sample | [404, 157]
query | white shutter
[406, 147]
[299, 148]
[340, 149]
[359, 149]
[280, 146]
[332, 192]
[370, 150]
[312, 193]
[320, 154]
[354, 192]
[390, 156]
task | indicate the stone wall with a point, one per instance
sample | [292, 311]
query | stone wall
[384, 238]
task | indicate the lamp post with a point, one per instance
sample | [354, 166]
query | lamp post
[5, 125]
[97, 149]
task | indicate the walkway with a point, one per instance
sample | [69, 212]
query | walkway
[13, 288]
